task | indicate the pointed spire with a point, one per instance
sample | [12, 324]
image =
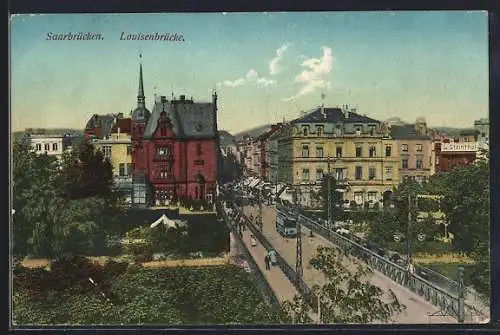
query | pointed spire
[140, 95]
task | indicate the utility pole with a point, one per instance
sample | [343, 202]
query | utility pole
[329, 194]
[408, 231]
[298, 254]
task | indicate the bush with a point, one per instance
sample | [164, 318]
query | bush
[143, 258]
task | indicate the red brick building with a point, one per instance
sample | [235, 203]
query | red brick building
[175, 149]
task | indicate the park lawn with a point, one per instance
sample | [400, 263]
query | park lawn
[450, 270]
[180, 295]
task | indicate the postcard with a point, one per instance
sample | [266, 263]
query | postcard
[275, 168]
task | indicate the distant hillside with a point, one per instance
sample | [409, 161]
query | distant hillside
[252, 132]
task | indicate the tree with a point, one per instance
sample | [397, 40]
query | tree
[336, 197]
[231, 169]
[86, 173]
[347, 296]
[383, 228]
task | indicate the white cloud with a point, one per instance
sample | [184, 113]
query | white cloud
[265, 82]
[233, 83]
[313, 76]
[274, 64]
[252, 77]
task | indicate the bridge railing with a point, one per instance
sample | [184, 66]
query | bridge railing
[446, 301]
[289, 272]
[256, 273]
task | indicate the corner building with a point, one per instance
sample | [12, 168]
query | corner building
[175, 152]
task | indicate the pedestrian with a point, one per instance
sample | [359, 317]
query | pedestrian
[253, 241]
[266, 260]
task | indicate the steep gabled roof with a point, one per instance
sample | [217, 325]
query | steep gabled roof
[105, 122]
[333, 115]
[189, 119]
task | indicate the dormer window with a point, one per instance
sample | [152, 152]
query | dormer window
[338, 130]
[358, 130]
[319, 130]
[372, 130]
[305, 131]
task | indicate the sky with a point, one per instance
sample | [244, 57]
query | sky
[266, 67]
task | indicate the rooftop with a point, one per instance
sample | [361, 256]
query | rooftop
[406, 132]
[333, 115]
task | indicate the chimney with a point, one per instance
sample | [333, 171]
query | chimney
[163, 98]
[182, 97]
[346, 111]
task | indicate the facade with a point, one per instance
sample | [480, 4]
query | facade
[265, 154]
[482, 128]
[174, 149]
[227, 143]
[50, 144]
[117, 147]
[273, 156]
[358, 149]
[414, 147]
[450, 154]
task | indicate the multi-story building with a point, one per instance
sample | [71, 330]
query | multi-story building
[117, 148]
[50, 144]
[356, 148]
[447, 153]
[263, 152]
[175, 149]
[482, 128]
[273, 156]
[414, 147]
[227, 144]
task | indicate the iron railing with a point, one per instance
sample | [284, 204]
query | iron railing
[259, 278]
[439, 297]
[289, 272]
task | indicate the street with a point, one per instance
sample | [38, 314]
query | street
[417, 308]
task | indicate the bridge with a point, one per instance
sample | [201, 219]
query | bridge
[425, 303]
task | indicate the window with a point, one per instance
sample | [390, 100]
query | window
[339, 174]
[122, 169]
[372, 197]
[404, 162]
[420, 163]
[305, 151]
[358, 173]
[319, 130]
[199, 162]
[319, 152]
[388, 151]
[162, 151]
[358, 130]
[338, 152]
[129, 150]
[54, 146]
[129, 169]
[305, 131]
[371, 173]
[359, 150]
[372, 130]
[199, 149]
[404, 147]
[372, 151]
[466, 139]
[388, 173]
[38, 147]
[106, 151]
[420, 148]
[305, 174]
[338, 130]
[319, 174]
[358, 198]
[47, 147]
